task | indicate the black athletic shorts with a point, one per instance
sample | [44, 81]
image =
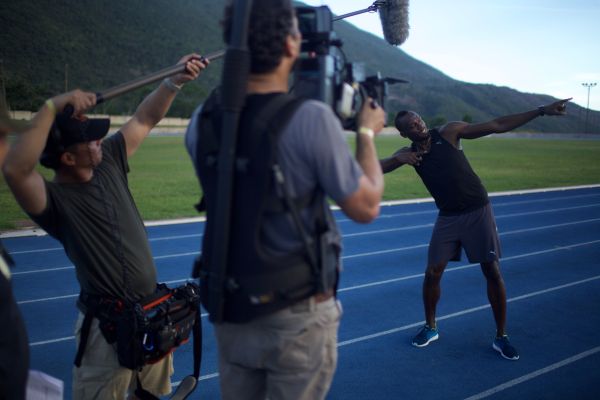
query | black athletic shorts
[474, 231]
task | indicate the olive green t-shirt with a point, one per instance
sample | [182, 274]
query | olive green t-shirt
[101, 229]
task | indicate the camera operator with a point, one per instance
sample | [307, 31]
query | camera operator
[14, 346]
[289, 351]
[89, 209]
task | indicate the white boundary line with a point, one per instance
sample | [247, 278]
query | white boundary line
[362, 286]
[383, 216]
[466, 311]
[534, 374]
[41, 232]
[175, 255]
[458, 314]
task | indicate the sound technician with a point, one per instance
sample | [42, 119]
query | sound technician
[465, 219]
[281, 344]
[89, 209]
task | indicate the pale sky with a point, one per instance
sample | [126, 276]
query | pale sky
[547, 47]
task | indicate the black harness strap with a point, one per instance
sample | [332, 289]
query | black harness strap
[141, 393]
[83, 337]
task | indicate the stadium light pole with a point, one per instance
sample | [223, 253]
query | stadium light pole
[589, 86]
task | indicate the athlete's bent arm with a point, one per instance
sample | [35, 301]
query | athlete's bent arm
[401, 157]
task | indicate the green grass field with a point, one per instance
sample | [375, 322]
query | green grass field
[164, 185]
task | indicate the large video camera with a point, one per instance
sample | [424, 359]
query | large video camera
[322, 72]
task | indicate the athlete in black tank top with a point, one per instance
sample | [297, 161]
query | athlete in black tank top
[449, 178]
[461, 198]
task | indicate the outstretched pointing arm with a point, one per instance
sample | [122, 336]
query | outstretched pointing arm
[505, 123]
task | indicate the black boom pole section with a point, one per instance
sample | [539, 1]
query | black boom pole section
[153, 77]
[233, 91]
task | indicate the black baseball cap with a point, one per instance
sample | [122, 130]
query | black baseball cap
[69, 129]
[72, 129]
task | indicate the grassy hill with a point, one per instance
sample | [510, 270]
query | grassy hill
[96, 44]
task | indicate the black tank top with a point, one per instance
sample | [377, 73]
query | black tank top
[449, 178]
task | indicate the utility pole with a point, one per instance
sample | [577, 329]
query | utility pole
[3, 101]
[589, 86]
[66, 77]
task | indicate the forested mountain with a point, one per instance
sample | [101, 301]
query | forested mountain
[46, 47]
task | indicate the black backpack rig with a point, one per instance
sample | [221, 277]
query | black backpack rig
[256, 281]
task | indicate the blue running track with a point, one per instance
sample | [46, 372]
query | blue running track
[551, 266]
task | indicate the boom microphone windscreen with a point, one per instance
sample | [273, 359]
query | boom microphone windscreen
[394, 20]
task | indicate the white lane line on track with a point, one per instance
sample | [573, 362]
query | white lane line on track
[458, 268]
[192, 235]
[383, 216]
[466, 266]
[497, 216]
[534, 374]
[466, 311]
[406, 228]
[453, 315]
[35, 271]
[367, 254]
[495, 206]
[52, 341]
[545, 200]
[67, 296]
[40, 232]
[585, 221]
[550, 210]
[17, 273]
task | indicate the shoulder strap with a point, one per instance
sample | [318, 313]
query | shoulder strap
[83, 337]
[275, 129]
[209, 141]
[270, 117]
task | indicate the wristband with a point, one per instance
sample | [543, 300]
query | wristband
[171, 85]
[541, 111]
[366, 131]
[50, 104]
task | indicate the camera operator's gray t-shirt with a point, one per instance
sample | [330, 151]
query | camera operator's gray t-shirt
[101, 229]
[313, 155]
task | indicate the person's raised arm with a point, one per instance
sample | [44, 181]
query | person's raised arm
[505, 123]
[155, 106]
[19, 169]
[363, 204]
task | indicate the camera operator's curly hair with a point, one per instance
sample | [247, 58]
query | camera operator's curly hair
[270, 23]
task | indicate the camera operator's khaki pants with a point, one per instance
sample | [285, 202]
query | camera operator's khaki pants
[290, 354]
[101, 377]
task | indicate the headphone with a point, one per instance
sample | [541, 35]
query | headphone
[50, 157]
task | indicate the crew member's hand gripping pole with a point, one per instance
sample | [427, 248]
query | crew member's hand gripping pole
[145, 80]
